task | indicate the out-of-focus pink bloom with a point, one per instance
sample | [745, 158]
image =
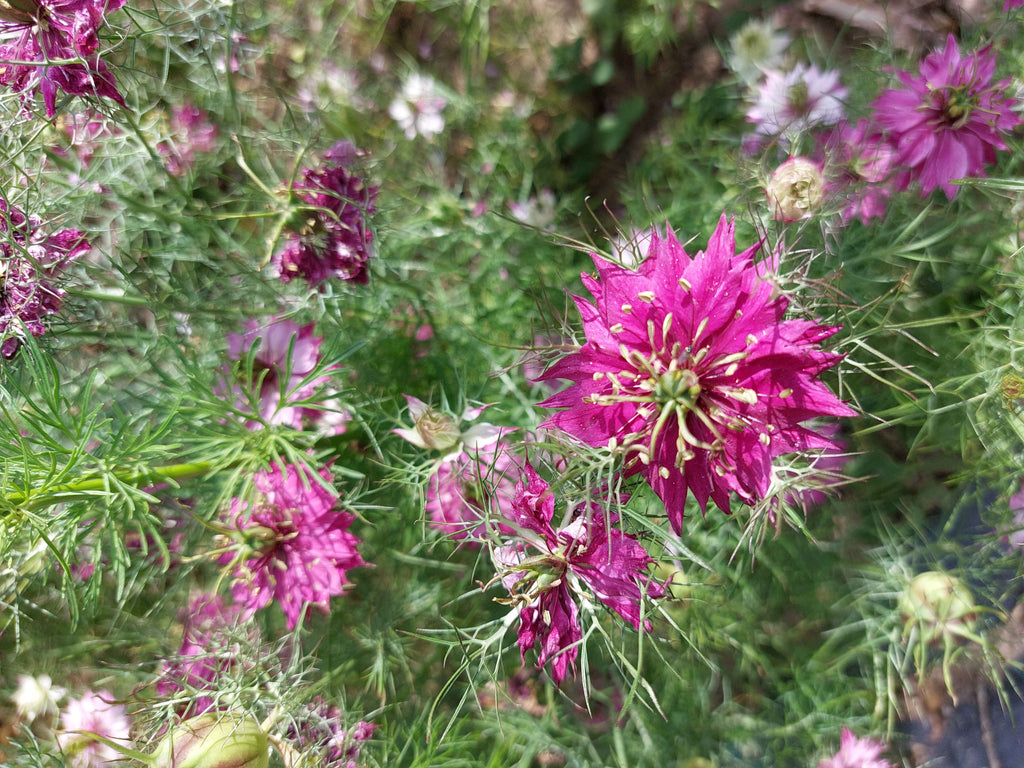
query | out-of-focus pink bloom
[857, 753]
[53, 47]
[791, 103]
[192, 133]
[29, 260]
[1012, 4]
[320, 729]
[860, 163]
[691, 370]
[93, 713]
[209, 648]
[466, 494]
[330, 239]
[417, 109]
[946, 124]
[286, 356]
[546, 571]
[294, 547]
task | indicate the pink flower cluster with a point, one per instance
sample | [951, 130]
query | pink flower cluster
[321, 730]
[29, 260]
[855, 752]
[330, 238]
[292, 545]
[55, 48]
[692, 371]
[192, 133]
[95, 712]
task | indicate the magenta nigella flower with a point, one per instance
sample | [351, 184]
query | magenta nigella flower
[691, 371]
[463, 494]
[294, 547]
[857, 753]
[92, 713]
[791, 103]
[29, 258]
[946, 123]
[59, 31]
[332, 240]
[286, 356]
[547, 571]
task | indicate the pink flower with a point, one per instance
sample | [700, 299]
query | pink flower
[464, 494]
[319, 731]
[282, 373]
[860, 162]
[93, 713]
[791, 103]
[45, 31]
[192, 133]
[1012, 4]
[209, 647]
[29, 258]
[590, 553]
[857, 753]
[691, 371]
[331, 239]
[946, 124]
[294, 547]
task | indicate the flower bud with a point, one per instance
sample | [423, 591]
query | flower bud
[796, 189]
[940, 604]
[214, 740]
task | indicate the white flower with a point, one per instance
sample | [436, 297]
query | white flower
[796, 189]
[36, 696]
[418, 108]
[756, 48]
[537, 212]
[789, 103]
[437, 431]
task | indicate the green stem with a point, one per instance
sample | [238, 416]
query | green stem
[32, 500]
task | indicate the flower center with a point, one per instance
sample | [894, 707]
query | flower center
[677, 386]
[955, 106]
[797, 98]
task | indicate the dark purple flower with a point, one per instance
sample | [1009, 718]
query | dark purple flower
[294, 546]
[330, 239]
[691, 370]
[29, 259]
[947, 123]
[53, 47]
[546, 571]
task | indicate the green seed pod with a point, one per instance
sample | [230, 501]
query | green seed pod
[214, 740]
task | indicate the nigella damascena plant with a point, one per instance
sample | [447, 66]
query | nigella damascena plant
[29, 261]
[548, 572]
[947, 123]
[288, 543]
[283, 377]
[328, 237]
[692, 371]
[796, 189]
[791, 103]
[52, 46]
